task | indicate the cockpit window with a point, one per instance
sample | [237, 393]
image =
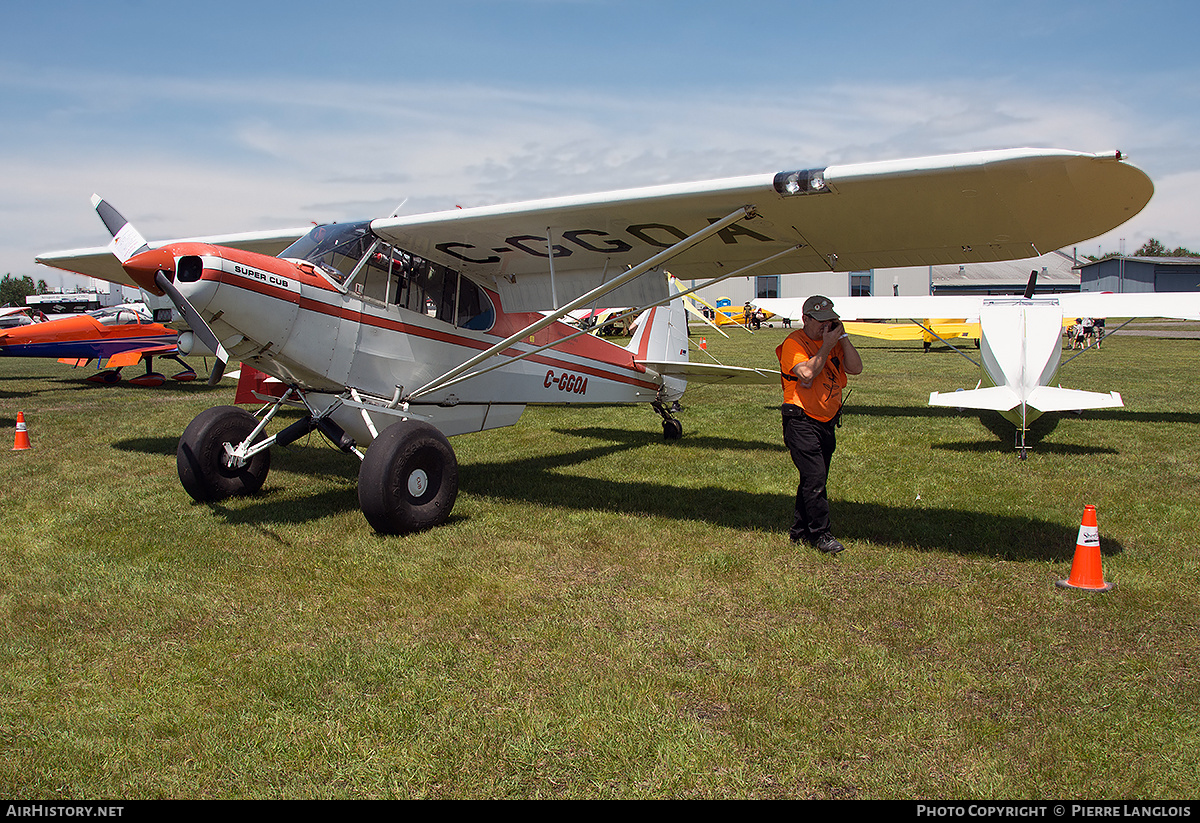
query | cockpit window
[336, 248]
[352, 256]
[119, 316]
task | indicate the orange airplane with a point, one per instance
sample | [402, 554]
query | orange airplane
[116, 337]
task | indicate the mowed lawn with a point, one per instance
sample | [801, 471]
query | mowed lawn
[610, 615]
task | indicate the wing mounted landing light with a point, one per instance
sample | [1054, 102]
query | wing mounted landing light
[806, 181]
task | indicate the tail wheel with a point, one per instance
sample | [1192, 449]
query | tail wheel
[672, 429]
[205, 469]
[408, 481]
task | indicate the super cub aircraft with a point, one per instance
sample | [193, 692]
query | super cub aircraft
[401, 331]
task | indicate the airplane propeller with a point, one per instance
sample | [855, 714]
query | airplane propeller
[199, 326]
[144, 264]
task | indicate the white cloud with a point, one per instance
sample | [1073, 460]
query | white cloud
[184, 157]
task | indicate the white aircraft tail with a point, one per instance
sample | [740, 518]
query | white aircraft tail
[1052, 398]
[996, 398]
[1042, 398]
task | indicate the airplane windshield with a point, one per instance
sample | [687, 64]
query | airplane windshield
[336, 248]
[119, 316]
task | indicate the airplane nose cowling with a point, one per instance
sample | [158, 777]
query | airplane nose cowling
[145, 266]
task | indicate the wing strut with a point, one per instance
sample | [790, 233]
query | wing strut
[562, 311]
[620, 317]
[953, 348]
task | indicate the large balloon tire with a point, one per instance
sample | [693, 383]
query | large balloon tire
[201, 452]
[408, 481]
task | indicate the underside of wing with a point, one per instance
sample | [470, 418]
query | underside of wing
[710, 372]
[976, 207]
[99, 262]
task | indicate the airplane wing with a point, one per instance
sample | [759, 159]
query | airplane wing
[911, 331]
[99, 261]
[982, 206]
[919, 307]
[1175, 305]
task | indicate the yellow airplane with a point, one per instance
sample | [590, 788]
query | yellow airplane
[928, 330]
[722, 314]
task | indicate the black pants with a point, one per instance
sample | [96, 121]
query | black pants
[811, 443]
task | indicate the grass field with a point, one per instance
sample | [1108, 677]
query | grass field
[608, 614]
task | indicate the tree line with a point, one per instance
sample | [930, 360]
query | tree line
[1151, 248]
[14, 290]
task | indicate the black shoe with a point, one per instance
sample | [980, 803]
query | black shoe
[829, 544]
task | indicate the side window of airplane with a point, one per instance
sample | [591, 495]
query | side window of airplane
[474, 308]
[372, 270]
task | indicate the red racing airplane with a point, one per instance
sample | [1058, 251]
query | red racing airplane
[117, 337]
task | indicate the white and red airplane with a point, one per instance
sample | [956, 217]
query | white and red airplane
[1020, 342]
[402, 331]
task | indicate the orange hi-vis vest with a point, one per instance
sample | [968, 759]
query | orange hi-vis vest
[823, 399]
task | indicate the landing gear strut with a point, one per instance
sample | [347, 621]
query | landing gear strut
[672, 427]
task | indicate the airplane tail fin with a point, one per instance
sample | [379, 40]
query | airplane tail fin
[660, 343]
[662, 333]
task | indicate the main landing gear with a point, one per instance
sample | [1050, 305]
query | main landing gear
[407, 482]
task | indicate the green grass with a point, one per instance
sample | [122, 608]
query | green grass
[610, 615]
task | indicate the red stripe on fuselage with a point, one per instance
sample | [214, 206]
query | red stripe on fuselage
[580, 347]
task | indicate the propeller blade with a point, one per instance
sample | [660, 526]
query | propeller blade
[199, 326]
[127, 241]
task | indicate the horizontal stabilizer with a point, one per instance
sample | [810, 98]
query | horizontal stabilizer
[996, 398]
[1053, 398]
[709, 372]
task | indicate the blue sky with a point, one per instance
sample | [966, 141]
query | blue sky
[223, 116]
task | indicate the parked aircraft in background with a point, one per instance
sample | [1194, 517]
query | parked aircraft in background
[340, 316]
[116, 337]
[927, 330]
[14, 317]
[1020, 341]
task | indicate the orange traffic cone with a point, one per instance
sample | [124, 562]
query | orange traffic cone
[1085, 569]
[21, 442]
